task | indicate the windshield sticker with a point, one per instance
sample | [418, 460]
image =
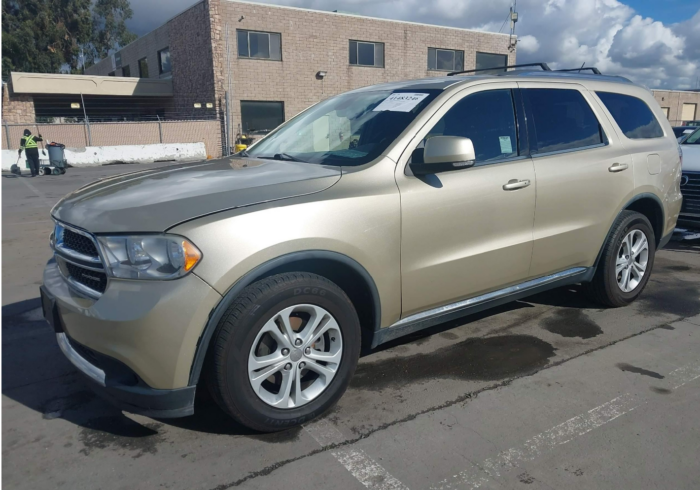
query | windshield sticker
[400, 102]
[506, 146]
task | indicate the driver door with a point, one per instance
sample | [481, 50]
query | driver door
[462, 233]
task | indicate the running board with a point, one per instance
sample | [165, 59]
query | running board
[435, 316]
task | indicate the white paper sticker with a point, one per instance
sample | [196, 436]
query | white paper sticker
[400, 102]
[506, 146]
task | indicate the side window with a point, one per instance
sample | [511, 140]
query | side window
[563, 120]
[632, 115]
[487, 118]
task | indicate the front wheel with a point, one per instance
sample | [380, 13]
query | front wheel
[284, 351]
[626, 261]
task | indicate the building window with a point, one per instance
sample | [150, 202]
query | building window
[118, 59]
[632, 115]
[164, 61]
[363, 53]
[258, 117]
[111, 74]
[259, 45]
[688, 112]
[445, 59]
[143, 68]
[126, 71]
[490, 60]
[665, 111]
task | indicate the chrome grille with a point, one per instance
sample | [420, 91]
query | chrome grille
[79, 243]
[690, 188]
[79, 260]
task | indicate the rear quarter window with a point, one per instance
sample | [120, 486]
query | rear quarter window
[633, 115]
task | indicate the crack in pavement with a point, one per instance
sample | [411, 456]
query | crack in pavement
[464, 399]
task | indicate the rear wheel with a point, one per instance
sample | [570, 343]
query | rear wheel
[626, 262]
[284, 351]
[44, 171]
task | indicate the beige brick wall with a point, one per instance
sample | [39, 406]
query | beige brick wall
[146, 46]
[315, 41]
[673, 100]
[16, 108]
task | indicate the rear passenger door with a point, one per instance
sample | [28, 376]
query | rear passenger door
[584, 175]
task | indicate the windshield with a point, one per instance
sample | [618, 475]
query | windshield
[693, 139]
[350, 129]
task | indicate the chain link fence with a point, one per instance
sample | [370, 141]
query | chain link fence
[82, 134]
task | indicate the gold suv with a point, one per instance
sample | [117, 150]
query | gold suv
[371, 215]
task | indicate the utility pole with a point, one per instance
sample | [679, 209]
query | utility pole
[512, 40]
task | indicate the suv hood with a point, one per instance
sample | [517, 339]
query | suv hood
[155, 200]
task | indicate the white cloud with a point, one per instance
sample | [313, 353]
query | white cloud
[565, 33]
[528, 44]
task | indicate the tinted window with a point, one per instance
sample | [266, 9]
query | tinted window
[693, 139]
[632, 115]
[488, 119]
[143, 68]
[164, 60]
[563, 120]
[126, 71]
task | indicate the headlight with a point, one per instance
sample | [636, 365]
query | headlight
[148, 256]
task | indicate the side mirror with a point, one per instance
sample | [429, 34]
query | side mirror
[445, 153]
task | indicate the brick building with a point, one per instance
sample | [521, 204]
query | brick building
[274, 61]
[680, 106]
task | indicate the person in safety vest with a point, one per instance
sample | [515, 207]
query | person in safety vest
[28, 143]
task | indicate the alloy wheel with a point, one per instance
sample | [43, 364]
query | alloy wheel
[632, 260]
[295, 356]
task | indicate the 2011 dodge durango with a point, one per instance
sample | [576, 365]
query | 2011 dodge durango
[370, 215]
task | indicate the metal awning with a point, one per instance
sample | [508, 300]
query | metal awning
[55, 83]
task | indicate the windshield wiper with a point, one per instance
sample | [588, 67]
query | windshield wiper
[282, 156]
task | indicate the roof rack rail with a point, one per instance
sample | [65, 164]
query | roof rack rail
[541, 65]
[592, 68]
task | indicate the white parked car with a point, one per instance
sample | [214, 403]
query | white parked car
[690, 182]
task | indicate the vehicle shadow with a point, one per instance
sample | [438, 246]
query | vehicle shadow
[37, 375]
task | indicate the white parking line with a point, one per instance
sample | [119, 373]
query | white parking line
[477, 476]
[367, 471]
[683, 375]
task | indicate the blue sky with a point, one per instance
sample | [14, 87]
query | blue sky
[667, 11]
[653, 42]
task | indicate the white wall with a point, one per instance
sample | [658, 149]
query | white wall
[100, 155]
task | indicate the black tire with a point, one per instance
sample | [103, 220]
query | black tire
[604, 288]
[43, 171]
[227, 362]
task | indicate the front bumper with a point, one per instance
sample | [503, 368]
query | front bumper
[136, 343]
[112, 379]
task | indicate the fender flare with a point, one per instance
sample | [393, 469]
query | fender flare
[261, 271]
[636, 198]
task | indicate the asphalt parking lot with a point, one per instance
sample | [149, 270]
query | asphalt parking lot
[550, 392]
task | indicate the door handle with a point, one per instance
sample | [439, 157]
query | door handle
[515, 184]
[618, 167]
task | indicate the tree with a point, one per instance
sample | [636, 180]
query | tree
[109, 28]
[48, 36]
